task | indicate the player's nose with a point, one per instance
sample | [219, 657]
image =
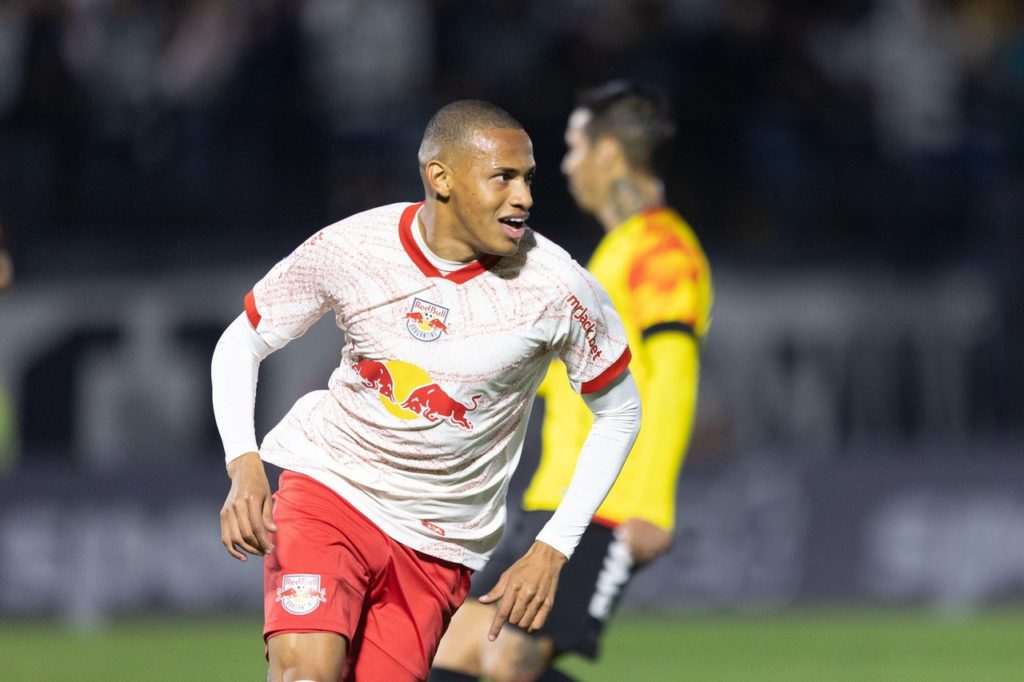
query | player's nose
[522, 197]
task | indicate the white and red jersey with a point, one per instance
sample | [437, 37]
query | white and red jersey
[423, 422]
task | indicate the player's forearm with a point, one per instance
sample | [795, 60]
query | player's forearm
[616, 424]
[234, 370]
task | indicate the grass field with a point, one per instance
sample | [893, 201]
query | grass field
[823, 646]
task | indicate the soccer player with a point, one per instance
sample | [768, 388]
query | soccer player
[395, 477]
[655, 271]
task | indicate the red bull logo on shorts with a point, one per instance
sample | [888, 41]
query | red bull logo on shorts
[408, 392]
[426, 320]
[301, 593]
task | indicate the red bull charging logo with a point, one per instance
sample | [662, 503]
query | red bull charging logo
[426, 320]
[408, 392]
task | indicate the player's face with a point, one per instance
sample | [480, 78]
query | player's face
[491, 190]
[587, 181]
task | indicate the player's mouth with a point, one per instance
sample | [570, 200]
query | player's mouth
[514, 226]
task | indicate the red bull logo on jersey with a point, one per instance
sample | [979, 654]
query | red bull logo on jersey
[301, 593]
[432, 403]
[408, 392]
[375, 375]
[426, 320]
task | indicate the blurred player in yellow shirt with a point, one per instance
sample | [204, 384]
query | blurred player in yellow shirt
[655, 271]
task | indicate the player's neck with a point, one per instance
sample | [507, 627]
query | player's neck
[439, 235]
[627, 196]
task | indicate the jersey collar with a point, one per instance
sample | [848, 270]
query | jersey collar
[471, 270]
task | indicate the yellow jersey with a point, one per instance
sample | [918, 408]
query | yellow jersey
[657, 276]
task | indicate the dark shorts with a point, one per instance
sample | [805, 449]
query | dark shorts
[589, 587]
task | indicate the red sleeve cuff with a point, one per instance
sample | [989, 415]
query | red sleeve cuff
[250, 310]
[606, 377]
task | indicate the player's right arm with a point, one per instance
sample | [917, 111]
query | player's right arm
[281, 307]
[246, 516]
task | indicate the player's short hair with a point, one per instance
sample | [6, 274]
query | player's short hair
[455, 122]
[639, 117]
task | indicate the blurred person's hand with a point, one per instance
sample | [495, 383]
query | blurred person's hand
[6, 270]
[646, 541]
[246, 519]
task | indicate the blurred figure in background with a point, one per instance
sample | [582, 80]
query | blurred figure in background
[655, 271]
[7, 440]
[6, 267]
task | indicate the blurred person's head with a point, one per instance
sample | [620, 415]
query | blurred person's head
[476, 162]
[617, 139]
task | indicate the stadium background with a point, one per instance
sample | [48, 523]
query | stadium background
[852, 507]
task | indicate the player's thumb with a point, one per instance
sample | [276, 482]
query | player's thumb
[268, 515]
[495, 593]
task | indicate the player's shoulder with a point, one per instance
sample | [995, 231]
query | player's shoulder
[659, 234]
[664, 224]
[542, 271]
[542, 256]
[373, 220]
[367, 235]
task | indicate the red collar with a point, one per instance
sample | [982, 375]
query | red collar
[461, 275]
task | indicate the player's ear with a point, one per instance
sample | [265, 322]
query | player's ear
[608, 151]
[439, 178]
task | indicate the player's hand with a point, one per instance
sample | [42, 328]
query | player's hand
[526, 591]
[246, 519]
[646, 542]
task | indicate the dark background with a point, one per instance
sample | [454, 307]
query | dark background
[855, 170]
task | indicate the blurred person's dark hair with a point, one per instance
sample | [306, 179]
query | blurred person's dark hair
[639, 117]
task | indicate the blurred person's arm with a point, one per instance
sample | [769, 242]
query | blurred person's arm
[670, 398]
[616, 412]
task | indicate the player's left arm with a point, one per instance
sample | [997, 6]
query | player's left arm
[525, 592]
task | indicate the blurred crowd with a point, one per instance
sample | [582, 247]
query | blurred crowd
[147, 134]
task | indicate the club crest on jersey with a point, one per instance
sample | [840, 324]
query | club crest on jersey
[301, 593]
[426, 320]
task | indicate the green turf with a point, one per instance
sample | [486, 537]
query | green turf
[823, 646]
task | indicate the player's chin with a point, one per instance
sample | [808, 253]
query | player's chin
[508, 245]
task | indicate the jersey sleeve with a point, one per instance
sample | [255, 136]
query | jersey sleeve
[665, 287]
[294, 294]
[590, 338]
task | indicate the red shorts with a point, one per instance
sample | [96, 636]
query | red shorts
[333, 570]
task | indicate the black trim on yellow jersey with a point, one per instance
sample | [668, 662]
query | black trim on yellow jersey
[668, 327]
